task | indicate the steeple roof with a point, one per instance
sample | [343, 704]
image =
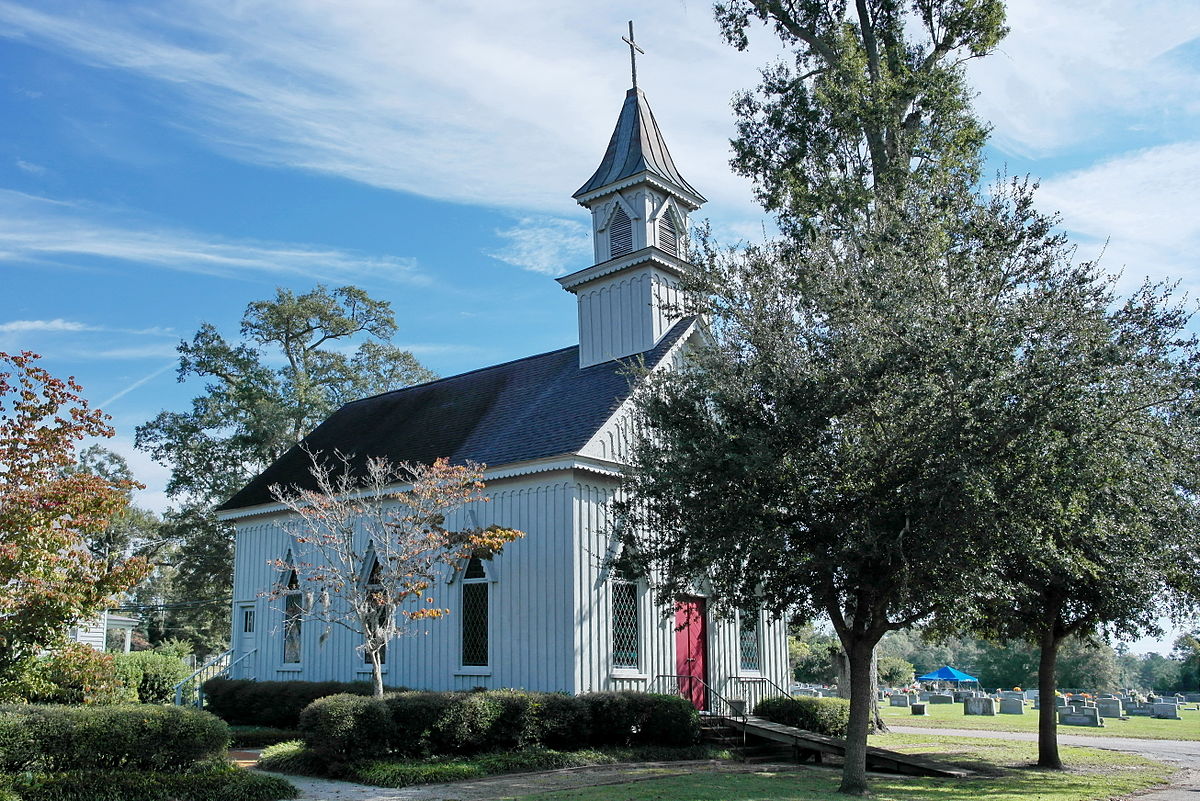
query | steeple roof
[637, 145]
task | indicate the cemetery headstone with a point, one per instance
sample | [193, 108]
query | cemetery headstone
[920, 709]
[1167, 711]
[940, 698]
[900, 700]
[1135, 709]
[979, 706]
[1086, 716]
[1110, 708]
[1193, 698]
[1012, 706]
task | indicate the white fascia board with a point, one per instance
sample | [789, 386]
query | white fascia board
[644, 177]
[564, 462]
[660, 259]
[695, 329]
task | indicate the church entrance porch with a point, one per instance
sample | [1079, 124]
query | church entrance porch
[691, 651]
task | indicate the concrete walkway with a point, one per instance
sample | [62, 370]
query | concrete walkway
[518, 784]
[1183, 754]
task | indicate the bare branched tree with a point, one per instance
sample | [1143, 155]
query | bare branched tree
[371, 540]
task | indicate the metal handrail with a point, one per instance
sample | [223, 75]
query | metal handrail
[711, 694]
[209, 670]
[765, 680]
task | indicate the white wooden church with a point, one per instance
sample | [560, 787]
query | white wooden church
[546, 614]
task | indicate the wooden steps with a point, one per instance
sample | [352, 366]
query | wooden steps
[807, 745]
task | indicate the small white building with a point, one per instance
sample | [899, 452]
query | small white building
[94, 633]
[546, 614]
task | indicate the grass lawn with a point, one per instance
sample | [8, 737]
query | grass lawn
[1091, 775]
[950, 716]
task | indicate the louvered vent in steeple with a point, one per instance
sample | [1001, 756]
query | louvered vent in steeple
[620, 232]
[668, 236]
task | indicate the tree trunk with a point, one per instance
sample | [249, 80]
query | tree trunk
[879, 726]
[854, 772]
[377, 672]
[1048, 712]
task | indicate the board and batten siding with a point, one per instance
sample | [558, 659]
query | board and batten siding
[593, 603]
[531, 627]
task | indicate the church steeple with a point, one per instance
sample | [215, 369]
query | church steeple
[640, 205]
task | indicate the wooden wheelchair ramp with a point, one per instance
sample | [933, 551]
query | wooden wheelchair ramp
[809, 745]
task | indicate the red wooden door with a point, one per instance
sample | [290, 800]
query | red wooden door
[690, 640]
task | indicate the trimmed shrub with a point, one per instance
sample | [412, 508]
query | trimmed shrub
[152, 675]
[828, 716]
[17, 750]
[79, 674]
[157, 738]
[260, 736]
[612, 717]
[664, 720]
[414, 715]
[346, 728]
[402, 774]
[294, 757]
[491, 720]
[565, 721]
[224, 783]
[271, 703]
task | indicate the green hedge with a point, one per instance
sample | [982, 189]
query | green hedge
[152, 675]
[260, 736]
[215, 783]
[271, 703]
[346, 728]
[829, 716]
[142, 737]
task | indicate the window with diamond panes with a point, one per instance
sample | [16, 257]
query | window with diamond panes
[625, 630]
[749, 640]
[475, 615]
[374, 581]
[293, 615]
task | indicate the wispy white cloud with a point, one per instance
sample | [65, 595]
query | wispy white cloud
[43, 230]
[409, 96]
[30, 167]
[1130, 206]
[105, 404]
[1088, 73]
[546, 245]
[57, 324]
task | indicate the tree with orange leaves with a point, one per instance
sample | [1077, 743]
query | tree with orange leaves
[48, 577]
[370, 541]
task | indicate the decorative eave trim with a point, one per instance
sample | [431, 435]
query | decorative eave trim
[660, 258]
[550, 464]
[692, 200]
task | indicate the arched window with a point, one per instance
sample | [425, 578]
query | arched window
[293, 614]
[620, 233]
[626, 628]
[373, 581]
[749, 641]
[668, 234]
[475, 615]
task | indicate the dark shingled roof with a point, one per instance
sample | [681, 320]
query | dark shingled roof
[637, 145]
[532, 408]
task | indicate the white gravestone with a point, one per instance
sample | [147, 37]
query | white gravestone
[900, 700]
[1084, 716]
[1110, 708]
[1167, 711]
[979, 706]
[1012, 706]
[938, 698]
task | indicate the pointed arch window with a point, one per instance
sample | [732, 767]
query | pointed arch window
[475, 614]
[293, 614]
[626, 622]
[750, 641]
[373, 581]
[668, 233]
[620, 233]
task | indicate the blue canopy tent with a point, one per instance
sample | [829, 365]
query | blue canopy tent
[948, 675]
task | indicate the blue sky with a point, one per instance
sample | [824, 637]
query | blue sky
[163, 164]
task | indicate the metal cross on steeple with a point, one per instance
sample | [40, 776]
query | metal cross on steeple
[632, 55]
